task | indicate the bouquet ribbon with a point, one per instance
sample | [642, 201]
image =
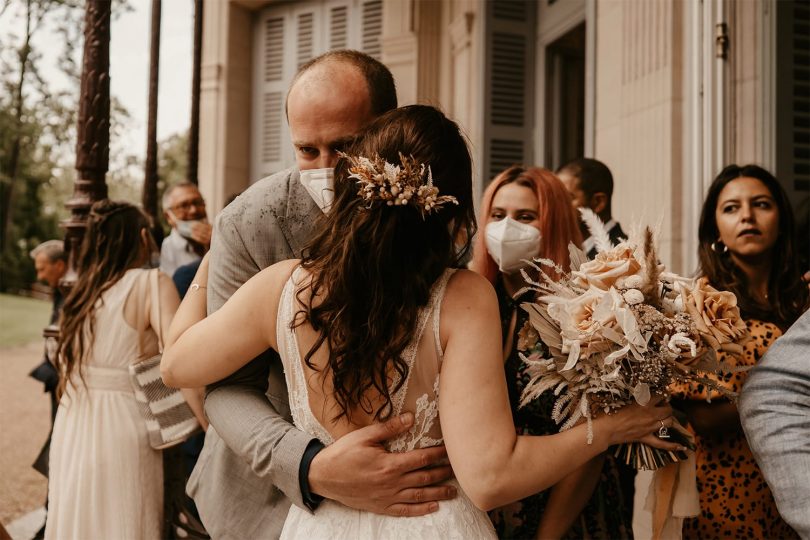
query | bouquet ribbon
[673, 496]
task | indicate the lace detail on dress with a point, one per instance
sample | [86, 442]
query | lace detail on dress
[427, 411]
[427, 407]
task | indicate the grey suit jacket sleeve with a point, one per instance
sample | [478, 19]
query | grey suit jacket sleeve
[775, 414]
[250, 409]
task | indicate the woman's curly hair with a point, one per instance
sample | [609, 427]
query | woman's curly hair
[373, 265]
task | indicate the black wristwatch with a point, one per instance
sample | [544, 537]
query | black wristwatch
[311, 500]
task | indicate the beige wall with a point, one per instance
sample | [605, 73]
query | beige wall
[464, 75]
[645, 125]
[225, 98]
[434, 51]
[638, 127]
[746, 129]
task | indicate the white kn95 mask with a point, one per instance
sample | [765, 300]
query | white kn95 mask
[509, 242]
[320, 184]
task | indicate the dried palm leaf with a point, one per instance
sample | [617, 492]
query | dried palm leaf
[597, 229]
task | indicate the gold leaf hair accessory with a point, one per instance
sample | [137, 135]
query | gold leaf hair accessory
[410, 183]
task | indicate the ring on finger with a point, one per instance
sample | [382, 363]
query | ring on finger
[663, 432]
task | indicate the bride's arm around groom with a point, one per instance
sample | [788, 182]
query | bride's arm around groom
[249, 470]
[493, 465]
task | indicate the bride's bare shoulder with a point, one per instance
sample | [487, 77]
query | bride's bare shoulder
[468, 290]
[277, 274]
[469, 309]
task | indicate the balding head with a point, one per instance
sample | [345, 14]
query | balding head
[378, 78]
[332, 98]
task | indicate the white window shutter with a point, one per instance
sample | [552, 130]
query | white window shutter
[267, 154]
[272, 111]
[273, 49]
[287, 35]
[305, 37]
[372, 28]
[339, 27]
[510, 84]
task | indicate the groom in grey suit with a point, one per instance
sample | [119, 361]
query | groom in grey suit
[255, 462]
[775, 413]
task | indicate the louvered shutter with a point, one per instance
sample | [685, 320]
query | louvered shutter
[801, 97]
[338, 27]
[792, 107]
[510, 84]
[304, 37]
[270, 125]
[371, 28]
[287, 36]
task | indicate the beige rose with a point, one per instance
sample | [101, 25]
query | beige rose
[583, 321]
[716, 316]
[576, 315]
[608, 266]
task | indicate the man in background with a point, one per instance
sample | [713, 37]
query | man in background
[591, 186]
[190, 238]
[50, 262]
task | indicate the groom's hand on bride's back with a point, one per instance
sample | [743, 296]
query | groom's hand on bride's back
[358, 472]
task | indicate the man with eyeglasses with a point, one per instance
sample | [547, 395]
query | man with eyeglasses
[190, 238]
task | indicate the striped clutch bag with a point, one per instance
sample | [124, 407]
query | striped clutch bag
[169, 419]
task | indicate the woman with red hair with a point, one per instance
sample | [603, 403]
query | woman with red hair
[527, 213]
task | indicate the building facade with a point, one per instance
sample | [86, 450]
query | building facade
[665, 92]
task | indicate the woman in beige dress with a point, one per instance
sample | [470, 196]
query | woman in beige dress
[106, 481]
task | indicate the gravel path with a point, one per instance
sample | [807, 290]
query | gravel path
[24, 424]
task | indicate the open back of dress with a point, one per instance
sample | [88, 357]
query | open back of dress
[313, 412]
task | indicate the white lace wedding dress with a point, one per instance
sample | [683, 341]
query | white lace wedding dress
[455, 519]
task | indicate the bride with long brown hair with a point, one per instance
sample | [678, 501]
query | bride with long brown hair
[376, 319]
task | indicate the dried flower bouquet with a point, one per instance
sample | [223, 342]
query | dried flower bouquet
[619, 329]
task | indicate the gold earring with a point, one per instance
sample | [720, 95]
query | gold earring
[719, 247]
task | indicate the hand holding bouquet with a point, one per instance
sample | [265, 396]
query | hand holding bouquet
[621, 329]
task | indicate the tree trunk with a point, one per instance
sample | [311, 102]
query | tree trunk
[14, 158]
[151, 177]
[194, 129]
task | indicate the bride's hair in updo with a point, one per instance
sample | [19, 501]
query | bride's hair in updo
[373, 265]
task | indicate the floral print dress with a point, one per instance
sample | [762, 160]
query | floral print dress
[608, 514]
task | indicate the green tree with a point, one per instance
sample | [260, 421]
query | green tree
[26, 226]
[172, 165]
[38, 130]
[173, 160]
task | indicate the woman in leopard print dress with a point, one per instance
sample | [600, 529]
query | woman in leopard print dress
[747, 244]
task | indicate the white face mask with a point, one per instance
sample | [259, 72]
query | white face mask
[184, 226]
[509, 242]
[320, 183]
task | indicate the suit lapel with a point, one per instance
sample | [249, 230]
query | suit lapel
[301, 217]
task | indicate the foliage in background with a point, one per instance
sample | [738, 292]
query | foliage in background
[38, 132]
[172, 166]
[27, 226]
